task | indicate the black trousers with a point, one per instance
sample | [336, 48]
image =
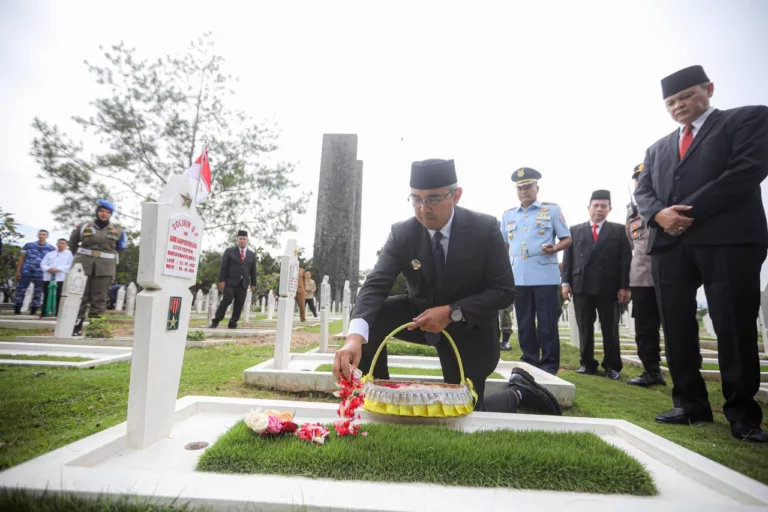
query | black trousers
[645, 311]
[311, 305]
[587, 308]
[731, 279]
[59, 287]
[396, 311]
[231, 292]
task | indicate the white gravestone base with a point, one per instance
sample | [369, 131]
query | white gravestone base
[71, 297]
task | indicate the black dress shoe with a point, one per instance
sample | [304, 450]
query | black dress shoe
[16, 311]
[748, 432]
[232, 326]
[505, 346]
[677, 416]
[612, 374]
[535, 397]
[648, 379]
[213, 325]
[586, 371]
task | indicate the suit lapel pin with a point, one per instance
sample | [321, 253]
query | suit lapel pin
[416, 264]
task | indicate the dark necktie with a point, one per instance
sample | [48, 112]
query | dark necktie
[432, 338]
[686, 140]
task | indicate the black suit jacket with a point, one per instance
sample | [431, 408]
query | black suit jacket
[719, 177]
[478, 277]
[236, 272]
[597, 268]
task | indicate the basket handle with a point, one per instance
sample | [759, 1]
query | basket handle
[404, 326]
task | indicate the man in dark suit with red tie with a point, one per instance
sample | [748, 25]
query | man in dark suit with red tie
[700, 191]
[238, 272]
[595, 275]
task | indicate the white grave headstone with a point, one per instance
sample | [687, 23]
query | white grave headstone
[271, 306]
[325, 304]
[171, 234]
[28, 298]
[333, 307]
[289, 283]
[71, 296]
[708, 326]
[573, 327]
[261, 305]
[120, 301]
[347, 295]
[199, 298]
[598, 328]
[247, 305]
[2, 297]
[630, 318]
[130, 299]
[213, 302]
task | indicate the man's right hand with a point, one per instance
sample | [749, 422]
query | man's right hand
[18, 275]
[566, 291]
[671, 220]
[349, 354]
[221, 285]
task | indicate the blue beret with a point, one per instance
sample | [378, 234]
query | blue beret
[103, 203]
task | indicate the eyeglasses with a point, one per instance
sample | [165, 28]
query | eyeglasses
[429, 200]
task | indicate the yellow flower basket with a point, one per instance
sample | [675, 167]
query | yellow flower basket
[418, 399]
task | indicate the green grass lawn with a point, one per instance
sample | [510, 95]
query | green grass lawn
[404, 370]
[45, 358]
[574, 462]
[333, 327]
[18, 501]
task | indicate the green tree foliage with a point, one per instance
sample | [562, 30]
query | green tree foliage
[151, 123]
[10, 253]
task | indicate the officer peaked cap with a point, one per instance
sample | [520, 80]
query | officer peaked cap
[682, 80]
[525, 176]
[432, 173]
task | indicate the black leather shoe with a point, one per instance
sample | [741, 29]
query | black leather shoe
[505, 345]
[612, 374]
[677, 416]
[535, 397]
[213, 325]
[648, 379]
[586, 371]
[78, 330]
[33, 311]
[16, 311]
[748, 432]
[231, 326]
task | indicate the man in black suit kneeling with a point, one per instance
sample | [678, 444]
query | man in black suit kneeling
[238, 271]
[459, 276]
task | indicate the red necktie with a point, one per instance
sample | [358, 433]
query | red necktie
[594, 232]
[242, 254]
[686, 140]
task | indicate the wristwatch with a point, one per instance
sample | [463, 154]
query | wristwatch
[456, 313]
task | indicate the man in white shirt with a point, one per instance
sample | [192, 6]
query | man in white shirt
[55, 266]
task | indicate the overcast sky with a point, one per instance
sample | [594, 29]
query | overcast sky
[570, 88]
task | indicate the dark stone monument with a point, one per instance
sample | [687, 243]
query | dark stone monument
[337, 225]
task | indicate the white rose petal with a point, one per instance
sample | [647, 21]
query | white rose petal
[318, 440]
[256, 421]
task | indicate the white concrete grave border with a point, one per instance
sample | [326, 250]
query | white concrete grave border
[97, 356]
[105, 464]
[299, 375]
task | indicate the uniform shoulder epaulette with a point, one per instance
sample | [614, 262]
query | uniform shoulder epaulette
[549, 203]
[513, 208]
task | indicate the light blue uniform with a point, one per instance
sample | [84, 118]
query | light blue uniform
[526, 230]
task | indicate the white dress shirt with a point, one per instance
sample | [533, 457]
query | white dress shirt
[360, 326]
[698, 123]
[60, 260]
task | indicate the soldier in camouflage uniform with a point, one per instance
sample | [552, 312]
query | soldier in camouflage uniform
[95, 245]
[645, 309]
[28, 271]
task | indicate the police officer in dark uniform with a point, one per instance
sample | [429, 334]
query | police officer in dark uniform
[645, 309]
[95, 244]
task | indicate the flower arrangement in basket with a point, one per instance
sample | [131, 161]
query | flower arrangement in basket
[418, 399]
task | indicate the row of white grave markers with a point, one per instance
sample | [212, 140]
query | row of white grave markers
[325, 303]
[199, 299]
[130, 299]
[213, 302]
[289, 283]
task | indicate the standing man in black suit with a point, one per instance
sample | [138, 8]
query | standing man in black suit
[238, 271]
[596, 276]
[459, 276]
[700, 191]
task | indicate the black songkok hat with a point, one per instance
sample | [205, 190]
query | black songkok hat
[683, 79]
[601, 194]
[242, 233]
[432, 173]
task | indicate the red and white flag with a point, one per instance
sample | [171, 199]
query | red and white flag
[200, 174]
